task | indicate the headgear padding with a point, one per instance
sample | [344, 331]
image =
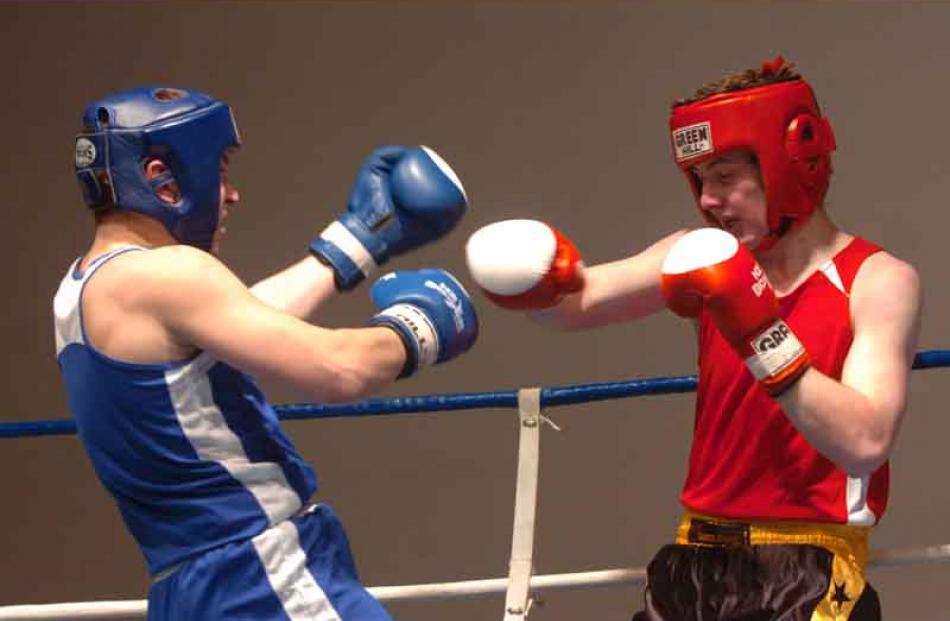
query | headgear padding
[781, 125]
[189, 131]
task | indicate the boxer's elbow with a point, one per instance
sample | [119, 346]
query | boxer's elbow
[868, 452]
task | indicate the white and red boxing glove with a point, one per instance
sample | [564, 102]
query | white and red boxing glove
[710, 268]
[524, 264]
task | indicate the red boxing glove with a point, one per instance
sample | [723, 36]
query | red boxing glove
[524, 264]
[710, 268]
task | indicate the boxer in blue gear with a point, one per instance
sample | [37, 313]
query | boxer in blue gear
[159, 344]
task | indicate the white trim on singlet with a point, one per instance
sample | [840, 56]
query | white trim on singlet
[830, 270]
[67, 327]
[203, 423]
[859, 514]
[285, 564]
[67, 309]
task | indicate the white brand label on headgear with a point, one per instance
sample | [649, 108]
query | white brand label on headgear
[692, 141]
[85, 153]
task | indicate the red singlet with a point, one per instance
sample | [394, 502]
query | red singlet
[747, 460]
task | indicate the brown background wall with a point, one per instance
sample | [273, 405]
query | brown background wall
[550, 110]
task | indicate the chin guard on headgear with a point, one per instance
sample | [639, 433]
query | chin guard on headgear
[781, 125]
[189, 131]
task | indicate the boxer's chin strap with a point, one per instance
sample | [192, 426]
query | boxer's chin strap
[785, 225]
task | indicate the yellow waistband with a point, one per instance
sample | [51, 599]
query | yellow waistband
[846, 541]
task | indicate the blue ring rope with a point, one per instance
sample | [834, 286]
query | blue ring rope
[550, 397]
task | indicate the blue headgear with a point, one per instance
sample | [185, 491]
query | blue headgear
[189, 131]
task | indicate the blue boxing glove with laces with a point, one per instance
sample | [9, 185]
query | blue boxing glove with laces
[430, 310]
[403, 198]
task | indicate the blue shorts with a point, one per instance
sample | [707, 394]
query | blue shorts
[296, 570]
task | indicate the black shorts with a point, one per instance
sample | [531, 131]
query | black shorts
[734, 578]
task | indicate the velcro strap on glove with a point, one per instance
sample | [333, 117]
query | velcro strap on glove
[778, 358]
[346, 253]
[418, 334]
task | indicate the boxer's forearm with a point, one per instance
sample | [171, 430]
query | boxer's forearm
[299, 289]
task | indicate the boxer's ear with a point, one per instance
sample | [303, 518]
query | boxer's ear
[166, 190]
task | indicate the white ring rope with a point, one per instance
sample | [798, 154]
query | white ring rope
[431, 592]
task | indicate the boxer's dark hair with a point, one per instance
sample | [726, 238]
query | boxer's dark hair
[770, 72]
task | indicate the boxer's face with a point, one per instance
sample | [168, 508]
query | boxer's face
[733, 196]
[228, 195]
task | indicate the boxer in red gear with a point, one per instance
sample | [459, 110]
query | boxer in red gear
[806, 335]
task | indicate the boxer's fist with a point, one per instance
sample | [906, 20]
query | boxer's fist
[429, 199]
[431, 312]
[401, 199]
[709, 268]
[524, 264]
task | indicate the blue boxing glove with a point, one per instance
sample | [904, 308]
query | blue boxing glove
[402, 198]
[430, 310]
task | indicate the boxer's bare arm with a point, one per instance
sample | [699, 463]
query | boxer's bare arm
[855, 422]
[169, 302]
[614, 292]
[299, 289]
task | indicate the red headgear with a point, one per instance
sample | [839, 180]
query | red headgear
[781, 124]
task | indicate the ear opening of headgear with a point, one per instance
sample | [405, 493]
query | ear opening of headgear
[781, 125]
[808, 139]
[189, 131]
